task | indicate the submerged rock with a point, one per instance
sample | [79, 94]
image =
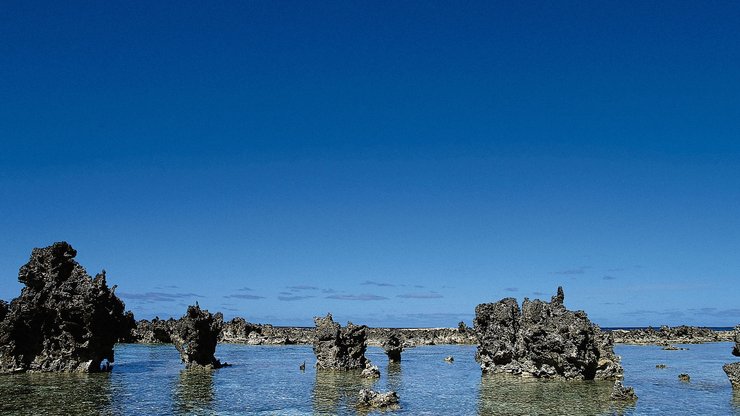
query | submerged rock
[623, 393]
[450, 359]
[684, 377]
[733, 373]
[660, 366]
[64, 320]
[339, 348]
[543, 339]
[195, 337]
[393, 346]
[371, 398]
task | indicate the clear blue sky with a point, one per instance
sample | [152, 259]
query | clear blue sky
[395, 163]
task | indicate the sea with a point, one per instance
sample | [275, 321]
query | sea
[266, 380]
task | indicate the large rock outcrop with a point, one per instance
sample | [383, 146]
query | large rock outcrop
[195, 337]
[542, 339]
[64, 320]
[339, 348]
[736, 349]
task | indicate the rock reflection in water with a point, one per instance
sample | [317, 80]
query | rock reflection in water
[55, 394]
[335, 391]
[395, 377]
[511, 395]
[736, 400]
[194, 393]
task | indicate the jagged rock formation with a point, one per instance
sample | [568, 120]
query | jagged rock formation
[371, 398]
[733, 373]
[543, 339]
[666, 335]
[736, 349]
[393, 346]
[196, 336]
[623, 393]
[64, 320]
[339, 348]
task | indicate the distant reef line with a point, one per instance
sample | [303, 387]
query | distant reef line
[240, 331]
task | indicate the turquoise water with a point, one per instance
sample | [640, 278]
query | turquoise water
[266, 380]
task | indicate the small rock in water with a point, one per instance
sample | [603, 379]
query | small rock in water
[623, 393]
[450, 359]
[733, 373]
[660, 366]
[371, 371]
[371, 398]
[302, 367]
[684, 377]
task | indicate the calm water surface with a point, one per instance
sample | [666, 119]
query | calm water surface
[265, 380]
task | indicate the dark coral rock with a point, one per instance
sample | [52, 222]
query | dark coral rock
[3, 309]
[64, 320]
[543, 339]
[196, 335]
[156, 331]
[339, 348]
[393, 346]
[736, 349]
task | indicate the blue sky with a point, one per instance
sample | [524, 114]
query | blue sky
[395, 163]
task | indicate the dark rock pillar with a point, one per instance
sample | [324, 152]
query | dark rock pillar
[393, 346]
[195, 337]
[339, 348]
[64, 320]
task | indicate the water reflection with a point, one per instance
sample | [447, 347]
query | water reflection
[511, 395]
[194, 393]
[736, 400]
[335, 392]
[395, 377]
[55, 394]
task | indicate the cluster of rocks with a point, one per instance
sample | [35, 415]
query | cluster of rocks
[666, 335]
[733, 369]
[63, 320]
[543, 339]
[622, 393]
[195, 337]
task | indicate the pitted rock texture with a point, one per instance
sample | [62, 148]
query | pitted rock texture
[374, 399]
[666, 335]
[393, 346]
[542, 339]
[63, 320]
[733, 373]
[195, 337]
[156, 331]
[339, 348]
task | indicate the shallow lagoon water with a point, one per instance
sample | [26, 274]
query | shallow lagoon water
[266, 380]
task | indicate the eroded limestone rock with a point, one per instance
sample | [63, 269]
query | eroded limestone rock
[623, 393]
[196, 335]
[63, 320]
[339, 348]
[543, 339]
[733, 373]
[393, 346]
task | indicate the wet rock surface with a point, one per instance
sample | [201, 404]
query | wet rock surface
[393, 346]
[63, 320]
[374, 399]
[542, 339]
[623, 393]
[733, 373]
[339, 348]
[195, 337]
